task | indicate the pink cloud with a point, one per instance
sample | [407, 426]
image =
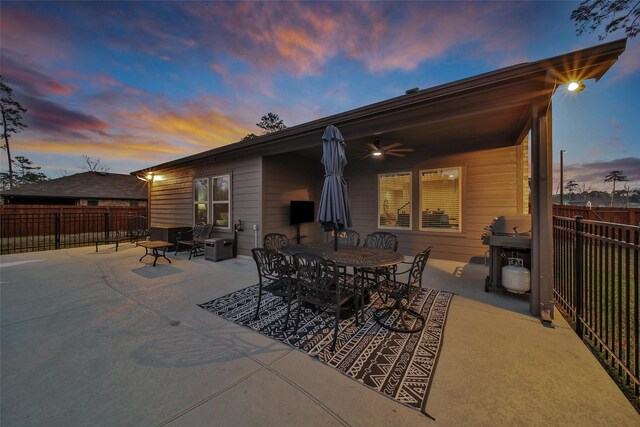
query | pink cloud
[218, 68]
[50, 117]
[628, 63]
[106, 82]
[16, 71]
[301, 38]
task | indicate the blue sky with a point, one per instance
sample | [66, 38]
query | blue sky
[139, 83]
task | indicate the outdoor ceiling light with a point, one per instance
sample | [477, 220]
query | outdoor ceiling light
[149, 176]
[377, 153]
[575, 87]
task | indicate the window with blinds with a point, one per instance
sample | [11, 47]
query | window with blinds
[394, 200]
[440, 199]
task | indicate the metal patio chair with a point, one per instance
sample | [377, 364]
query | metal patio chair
[275, 241]
[318, 281]
[194, 238]
[274, 273]
[347, 238]
[398, 316]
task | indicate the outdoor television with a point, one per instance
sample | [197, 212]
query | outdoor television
[301, 211]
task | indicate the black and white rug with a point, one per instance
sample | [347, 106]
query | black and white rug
[397, 365]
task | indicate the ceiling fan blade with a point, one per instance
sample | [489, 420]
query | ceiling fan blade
[392, 153]
[391, 146]
[368, 155]
[373, 147]
[402, 150]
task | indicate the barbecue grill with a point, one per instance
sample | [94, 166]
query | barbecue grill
[507, 237]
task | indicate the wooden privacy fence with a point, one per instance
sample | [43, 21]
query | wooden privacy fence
[596, 287]
[629, 216]
[25, 229]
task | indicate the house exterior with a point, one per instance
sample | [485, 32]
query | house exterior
[472, 140]
[82, 189]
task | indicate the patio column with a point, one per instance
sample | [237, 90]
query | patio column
[541, 215]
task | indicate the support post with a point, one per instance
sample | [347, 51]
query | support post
[541, 303]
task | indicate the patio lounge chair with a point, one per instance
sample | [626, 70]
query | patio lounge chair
[399, 317]
[274, 273]
[319, 285]
[194, 238]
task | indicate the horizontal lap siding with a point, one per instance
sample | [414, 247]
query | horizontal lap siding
[492, 185]
[290, 177]
[172, 196]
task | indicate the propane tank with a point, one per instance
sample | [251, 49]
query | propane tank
[516, 277]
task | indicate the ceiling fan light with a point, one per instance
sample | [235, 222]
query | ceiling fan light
[377, 153]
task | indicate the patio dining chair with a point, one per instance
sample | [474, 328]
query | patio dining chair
[370, 276]
[347, 238]
[274, 273]
[194, 238]
[398, 316]
[275, 241]
[319, 285]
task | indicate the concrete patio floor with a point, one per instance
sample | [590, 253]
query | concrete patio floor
[101, 339]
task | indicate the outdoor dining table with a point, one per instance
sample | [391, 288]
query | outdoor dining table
[348, 256]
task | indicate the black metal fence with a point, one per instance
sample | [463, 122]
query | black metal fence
[596, 287]
[27, 232]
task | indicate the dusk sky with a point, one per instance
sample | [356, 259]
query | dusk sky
[140, 83]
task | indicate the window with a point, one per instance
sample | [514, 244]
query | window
[212, 200]
[440, 191]
[92, 203]
[220, 200]
[394, 200]
[201, 200]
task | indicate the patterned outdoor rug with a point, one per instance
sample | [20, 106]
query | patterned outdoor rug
[397, 365]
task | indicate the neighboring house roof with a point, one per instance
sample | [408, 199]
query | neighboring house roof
[85, 185]
[495, 108]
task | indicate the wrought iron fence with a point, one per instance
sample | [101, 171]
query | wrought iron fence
[27, 232]
[596, 288]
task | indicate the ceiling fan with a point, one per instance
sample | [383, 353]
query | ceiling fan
[379, 151]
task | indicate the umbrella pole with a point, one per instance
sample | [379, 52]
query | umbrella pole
[335, 239]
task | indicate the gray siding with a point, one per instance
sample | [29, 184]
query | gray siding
[172, 196]
[493, 184]
[289, 177]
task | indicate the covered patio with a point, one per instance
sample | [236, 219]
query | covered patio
[101, 339]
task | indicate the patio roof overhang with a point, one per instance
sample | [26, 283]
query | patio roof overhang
[489, 110]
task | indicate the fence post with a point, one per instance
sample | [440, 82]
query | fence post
[56, 222]
[577, 276]
[106, 225]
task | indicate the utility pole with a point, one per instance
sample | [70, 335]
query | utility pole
[562, 177]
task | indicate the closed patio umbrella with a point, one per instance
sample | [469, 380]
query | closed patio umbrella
[334, 212]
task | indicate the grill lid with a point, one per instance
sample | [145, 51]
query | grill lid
[511, 225]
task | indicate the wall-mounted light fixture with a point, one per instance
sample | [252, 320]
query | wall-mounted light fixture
[575, 87]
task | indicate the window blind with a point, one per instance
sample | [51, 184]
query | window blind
[394, 200]
[440, 199]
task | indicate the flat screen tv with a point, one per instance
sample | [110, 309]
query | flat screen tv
[301, 211]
